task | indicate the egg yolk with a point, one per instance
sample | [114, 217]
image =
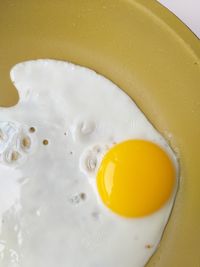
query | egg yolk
[135, 178]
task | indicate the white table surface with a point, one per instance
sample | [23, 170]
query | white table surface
[186, 10]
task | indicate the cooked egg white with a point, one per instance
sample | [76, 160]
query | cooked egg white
[80, 170]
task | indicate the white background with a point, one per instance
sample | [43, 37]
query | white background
[187, 10]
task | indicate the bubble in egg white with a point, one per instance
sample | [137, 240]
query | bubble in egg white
[83, 129]
[15, 143]
[91, 158]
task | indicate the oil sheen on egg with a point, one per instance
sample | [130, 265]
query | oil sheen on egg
[72, 130]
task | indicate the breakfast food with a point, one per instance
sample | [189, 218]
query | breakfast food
[85, 179]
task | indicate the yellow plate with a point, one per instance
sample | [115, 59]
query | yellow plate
[149, 53]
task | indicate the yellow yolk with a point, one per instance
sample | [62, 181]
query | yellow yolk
[135, 178]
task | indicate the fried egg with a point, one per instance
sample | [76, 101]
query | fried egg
[85, 179]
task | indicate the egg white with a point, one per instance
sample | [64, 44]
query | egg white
[50, 214]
